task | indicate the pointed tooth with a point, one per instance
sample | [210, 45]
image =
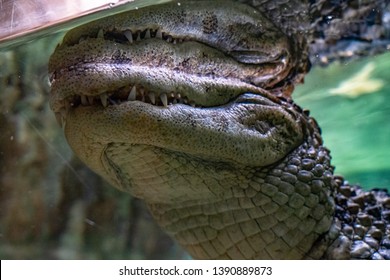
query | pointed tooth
[61, 120]
[138, 36]
[103, 99]
[133, 94]
[128, 35]
[174, 101]
[61, 116]
[90, 99]
[84, 100]
[178, 95]
[152, 98]
[100, 34]
[159, 34]
[164, 99]
[147, 34]
[174, 41]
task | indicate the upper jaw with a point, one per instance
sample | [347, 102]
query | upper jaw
[236, 29]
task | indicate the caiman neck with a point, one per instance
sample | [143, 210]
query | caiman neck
[284, 211]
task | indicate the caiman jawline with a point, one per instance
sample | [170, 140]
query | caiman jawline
[132, 91]
[144, 58]
[130, 36]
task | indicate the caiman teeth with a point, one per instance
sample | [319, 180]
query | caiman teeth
[164, 99]
[128, 35]
[104, 99]
[131, 36]
[147, 34]
[129, 93]
[133, 94]
[159, 34]
[61, 115]
[122, 95]
[100, 33]
[90, 99]
[152, 98]
[84, 100]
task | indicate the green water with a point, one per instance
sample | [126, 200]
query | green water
[356, 130]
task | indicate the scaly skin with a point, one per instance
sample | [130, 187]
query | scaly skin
[188, 109]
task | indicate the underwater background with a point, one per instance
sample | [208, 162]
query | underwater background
[351, 102]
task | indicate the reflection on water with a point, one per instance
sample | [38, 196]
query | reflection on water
[20, 16]
[351, 102]
[23, 21]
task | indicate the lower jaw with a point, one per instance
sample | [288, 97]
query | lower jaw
[200, 132]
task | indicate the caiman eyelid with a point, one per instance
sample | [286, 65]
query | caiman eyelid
[249, 57]
[254, 99]
[257, 57]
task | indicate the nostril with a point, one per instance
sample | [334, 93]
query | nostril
[283, 58]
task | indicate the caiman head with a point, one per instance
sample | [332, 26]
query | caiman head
[187, 105]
